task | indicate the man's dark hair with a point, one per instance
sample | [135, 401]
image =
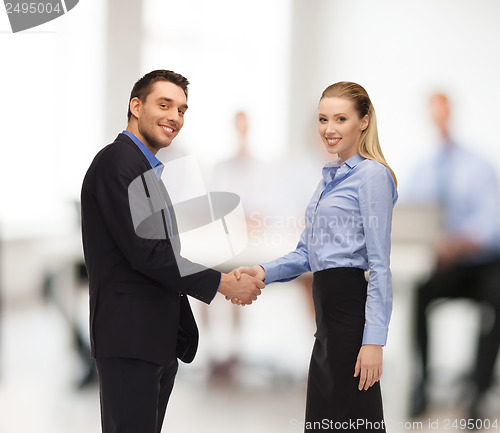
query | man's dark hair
[143, 86]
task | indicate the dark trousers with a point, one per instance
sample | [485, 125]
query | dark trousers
[477, 282]
[134, 394]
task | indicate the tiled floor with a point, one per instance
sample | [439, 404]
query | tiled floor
[39, 371]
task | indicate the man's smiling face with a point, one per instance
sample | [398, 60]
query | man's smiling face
[160, 116]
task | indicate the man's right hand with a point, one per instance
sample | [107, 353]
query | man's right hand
[245, 289]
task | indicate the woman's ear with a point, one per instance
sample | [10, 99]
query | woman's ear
[365, 121]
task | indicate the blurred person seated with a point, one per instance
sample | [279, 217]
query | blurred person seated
[468, 254]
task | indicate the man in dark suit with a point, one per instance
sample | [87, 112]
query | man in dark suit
[140, 318]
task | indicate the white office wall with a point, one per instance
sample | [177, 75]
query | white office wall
[236, 56]
[402, 50]
[28, 136]
[51, 113]
[243, 55]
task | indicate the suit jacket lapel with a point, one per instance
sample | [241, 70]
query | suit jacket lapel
[174, 235]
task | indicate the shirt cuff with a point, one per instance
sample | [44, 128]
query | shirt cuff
[271, 273]
[375, 335]
[218, 287]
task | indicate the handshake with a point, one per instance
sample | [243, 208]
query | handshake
[243, 285]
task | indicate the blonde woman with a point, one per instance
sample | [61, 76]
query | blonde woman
[348, 227]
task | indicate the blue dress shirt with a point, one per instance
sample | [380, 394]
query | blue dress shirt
[348, 224]
[155, 163]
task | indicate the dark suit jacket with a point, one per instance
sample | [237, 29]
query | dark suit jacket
[138, 307]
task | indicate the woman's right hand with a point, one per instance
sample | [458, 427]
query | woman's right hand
[368, 365]
[256, 271]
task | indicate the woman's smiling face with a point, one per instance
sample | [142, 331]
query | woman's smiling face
[340, 127]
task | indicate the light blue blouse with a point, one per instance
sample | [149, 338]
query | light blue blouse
[348, 224]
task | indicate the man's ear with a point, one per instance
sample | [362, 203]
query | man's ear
[135, 106]
[365, 122]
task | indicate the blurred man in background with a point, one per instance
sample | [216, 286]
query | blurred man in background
[467, 256]
[245, 175]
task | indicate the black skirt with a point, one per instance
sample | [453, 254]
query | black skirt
[334, 402]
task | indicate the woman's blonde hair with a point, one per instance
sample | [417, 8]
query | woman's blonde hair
[369, 145]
